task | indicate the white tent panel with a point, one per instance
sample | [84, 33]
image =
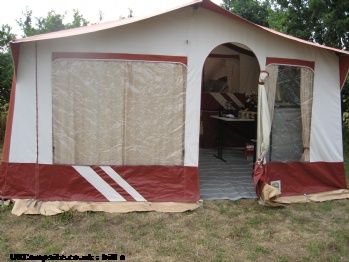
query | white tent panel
[192, 120]
[44, 104]
[286, 48]
[326, 127]
[23, 137]
[161, 35]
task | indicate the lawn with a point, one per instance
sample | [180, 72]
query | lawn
[220, 231]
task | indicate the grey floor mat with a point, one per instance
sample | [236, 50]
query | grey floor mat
[225, 180]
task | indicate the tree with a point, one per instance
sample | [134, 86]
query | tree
[6, 66]
[5, 37]
[78, 20]
[330, 20]
[321, 21]
[26, 24]
[51, 23]
[6, 72]
[291, 17]
[252, 10]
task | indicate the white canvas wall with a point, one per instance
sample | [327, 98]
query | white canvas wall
[23, 139]
[191, 33]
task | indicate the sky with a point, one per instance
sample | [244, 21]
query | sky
[11, 10]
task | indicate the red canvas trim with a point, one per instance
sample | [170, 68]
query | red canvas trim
[59, 182]
[112, 183]
[17, 180]
[287, 61]
[307, 178]
[259, 177]
[66, 184]
[163, 183]
[344, 69]
[116, 56]
[15, 55]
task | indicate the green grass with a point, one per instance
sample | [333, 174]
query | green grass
[299, 232]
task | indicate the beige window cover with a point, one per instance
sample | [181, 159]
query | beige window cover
[118, 112]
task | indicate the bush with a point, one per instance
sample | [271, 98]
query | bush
[3, 119]
[346, 140]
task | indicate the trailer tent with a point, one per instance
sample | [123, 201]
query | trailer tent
[113, 112]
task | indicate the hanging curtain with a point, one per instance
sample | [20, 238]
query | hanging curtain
[306, 94]
[264, 121]
[271, 87]
[233, 75]
[263, 190]
[214, 69]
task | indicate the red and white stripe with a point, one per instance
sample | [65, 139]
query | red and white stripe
[104, 187]
[223, 98]
[99, 183]
[235, 100]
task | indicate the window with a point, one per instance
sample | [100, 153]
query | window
[290, 94]
[112, 112]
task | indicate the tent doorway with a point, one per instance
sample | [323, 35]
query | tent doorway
[228, 122]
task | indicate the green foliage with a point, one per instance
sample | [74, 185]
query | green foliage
[26, 24]
[252, 10]
[78, 20]
[6, 73]
[322, 21]
[291, 17]
[51, 23]
[345, 112]
[330, 20]
[5, 37]
[3, 118]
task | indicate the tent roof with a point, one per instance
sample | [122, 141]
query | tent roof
[207, 4]
[98, 27]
